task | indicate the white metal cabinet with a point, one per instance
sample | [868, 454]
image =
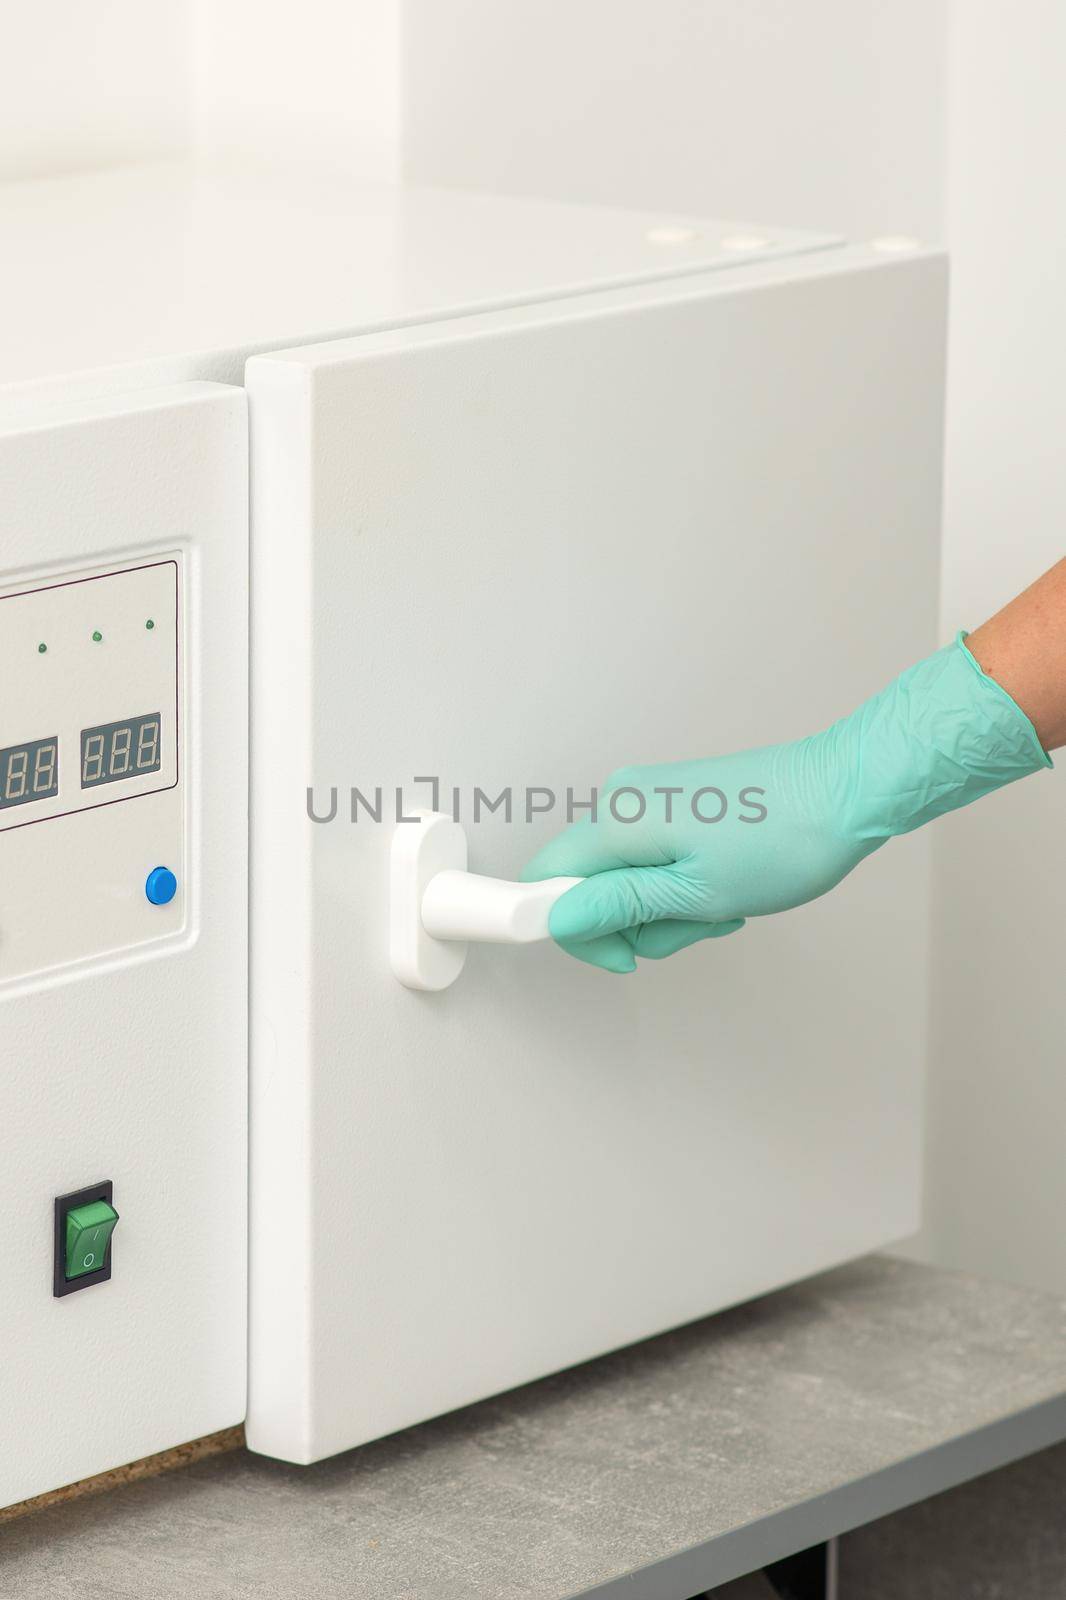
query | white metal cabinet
[522, 549]
[123, 606]
[510, 549]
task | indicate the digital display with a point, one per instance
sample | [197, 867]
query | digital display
[117, 750]
[29, 772]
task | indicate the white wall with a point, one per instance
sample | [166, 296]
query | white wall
[997, 1142]
[851, 114]
[92, 85]
[318, 82]
[825, 115]
[124, 80]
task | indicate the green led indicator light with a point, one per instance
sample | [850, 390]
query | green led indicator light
[149, 623]
[97, 637]
[41, 648]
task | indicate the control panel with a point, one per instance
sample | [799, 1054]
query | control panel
[90, 723]
[123, 927]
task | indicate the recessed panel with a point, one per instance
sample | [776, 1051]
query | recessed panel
[91, 725]
[81, 657]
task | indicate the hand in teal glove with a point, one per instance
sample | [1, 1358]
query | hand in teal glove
[687, 851]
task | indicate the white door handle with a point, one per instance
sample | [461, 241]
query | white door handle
[438, 906]
[464, 905]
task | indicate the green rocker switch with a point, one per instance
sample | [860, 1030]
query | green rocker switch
[89, 1230]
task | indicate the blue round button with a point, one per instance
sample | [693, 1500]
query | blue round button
[161, 886]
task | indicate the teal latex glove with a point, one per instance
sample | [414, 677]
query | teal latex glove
[797, 817]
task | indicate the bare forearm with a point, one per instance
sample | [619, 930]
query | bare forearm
[1024, 648]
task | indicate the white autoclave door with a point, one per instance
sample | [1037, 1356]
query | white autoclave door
[518, 551]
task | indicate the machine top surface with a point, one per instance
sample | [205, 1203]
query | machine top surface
[186, 269]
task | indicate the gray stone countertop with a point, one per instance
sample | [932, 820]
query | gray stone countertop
[654, 1473]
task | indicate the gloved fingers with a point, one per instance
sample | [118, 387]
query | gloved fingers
[587, 848]
[613, 900]
[611, 952]
[616, 952]
[655, 940]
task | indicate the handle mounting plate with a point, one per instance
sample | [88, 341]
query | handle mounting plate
[420, 850]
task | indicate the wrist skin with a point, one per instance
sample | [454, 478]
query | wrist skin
[1023, 648]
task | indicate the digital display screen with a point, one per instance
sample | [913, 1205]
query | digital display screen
[117, 750]
[29, 772]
